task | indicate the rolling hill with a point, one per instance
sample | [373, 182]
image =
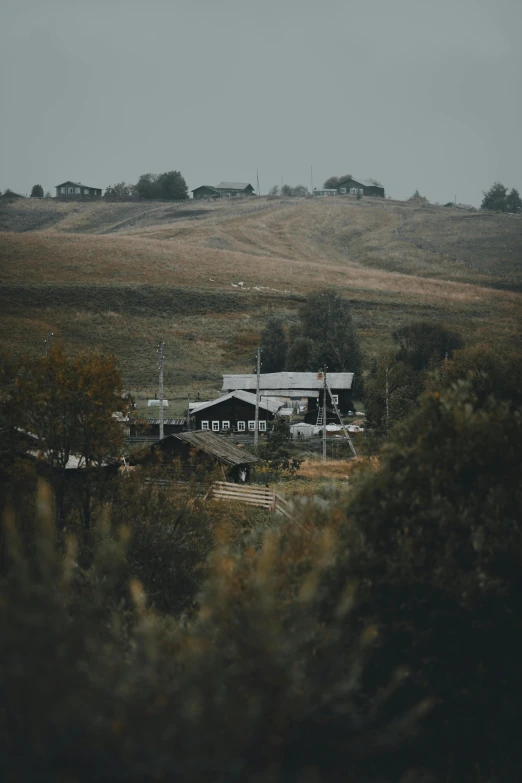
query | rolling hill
[205, 276]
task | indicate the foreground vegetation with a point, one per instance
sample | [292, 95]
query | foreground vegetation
[377, 636]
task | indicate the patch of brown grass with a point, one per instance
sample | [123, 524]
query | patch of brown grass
[335, 469]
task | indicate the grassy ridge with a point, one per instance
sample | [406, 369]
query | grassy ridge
[143, 272]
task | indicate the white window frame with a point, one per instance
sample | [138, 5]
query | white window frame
[204, 425]
[335, 398]
[86, 191]
[262, 425]
[241, 426]
[215, 426]
[63, 190]
[77, 190]
[71, 190]
[343, 190]
[252, 426]
[225, 425]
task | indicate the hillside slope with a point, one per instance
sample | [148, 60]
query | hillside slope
[123, 276]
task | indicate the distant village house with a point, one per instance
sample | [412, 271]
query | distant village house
[361, 187]
[224, 190]
[76, 190]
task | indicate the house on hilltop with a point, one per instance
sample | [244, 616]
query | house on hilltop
[76, 190]
[224, 190]
[360, 186]
[205, 191]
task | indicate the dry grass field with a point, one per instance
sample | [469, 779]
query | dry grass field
[122, 276]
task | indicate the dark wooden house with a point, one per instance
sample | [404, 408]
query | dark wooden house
[296, 389]
[238, 189]
[359, 186]
[235, 411]
[76, 190]
[201, 450]
[205, 191]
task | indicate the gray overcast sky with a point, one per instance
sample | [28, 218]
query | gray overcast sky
[417, 93]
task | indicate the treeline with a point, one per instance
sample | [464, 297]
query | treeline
[288, 191]
[498, 199]
[169, 186]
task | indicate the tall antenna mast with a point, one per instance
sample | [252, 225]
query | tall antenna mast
[258, 190]
[160, 367]
[311, 180]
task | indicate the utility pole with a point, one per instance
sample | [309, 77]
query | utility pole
[258, 191]
[311, 180]
[47, 342]
[256, 425]
[160, 367]
[324, 415]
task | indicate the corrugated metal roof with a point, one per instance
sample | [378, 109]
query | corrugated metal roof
[288, 381]
[265, 404]
[216, 446]
[233, 185]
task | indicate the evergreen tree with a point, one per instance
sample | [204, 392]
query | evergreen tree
[513, 202]
[37, 191]
[301, 356]
[495, 198]
[327, 321]
[274, 346]
[422, 344]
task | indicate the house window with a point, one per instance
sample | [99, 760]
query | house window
[262, 426]
[204, 425]
[62, 190]
[343, 190]
[335, 398]
[86, 192]
[77, 190]
[241, 426]
[71, 190]
[251, 426]
[215, 426]
[225, 425]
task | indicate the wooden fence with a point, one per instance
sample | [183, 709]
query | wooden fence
[265, 497]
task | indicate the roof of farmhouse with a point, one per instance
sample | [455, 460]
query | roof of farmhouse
[77, 184]
[288, 381]
[360, 182]
[265, 404]
[232, 185]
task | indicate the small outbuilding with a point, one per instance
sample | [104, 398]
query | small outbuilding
[204, 450]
